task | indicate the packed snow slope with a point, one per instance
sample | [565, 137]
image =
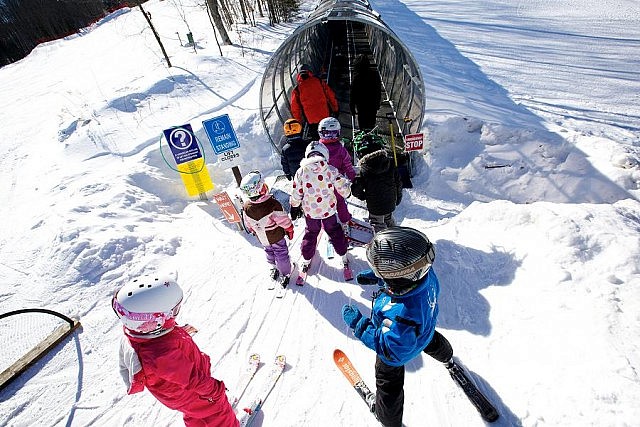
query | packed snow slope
[528, 187]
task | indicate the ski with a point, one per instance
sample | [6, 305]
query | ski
[351, 374]
[331, 252]
[274, 280]
[360, 232]
[302, 277]
[190, 329]
[487, 411]
[284, 283]
[249, 413]
[245, 378]
[347, 272]
[346, 269]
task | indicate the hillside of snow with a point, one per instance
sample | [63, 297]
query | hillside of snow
[528, 186]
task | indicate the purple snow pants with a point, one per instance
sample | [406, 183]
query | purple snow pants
[278, 254]
[343, 211]
[333, 230]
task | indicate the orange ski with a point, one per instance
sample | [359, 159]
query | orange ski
[351, 374]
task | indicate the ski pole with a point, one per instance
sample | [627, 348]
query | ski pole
[393, 141]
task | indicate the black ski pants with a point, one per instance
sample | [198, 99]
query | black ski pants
[390, 382]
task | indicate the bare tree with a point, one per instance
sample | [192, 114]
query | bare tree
[226, 12]
[155, 33]
[258, 3]
[26, 23]
[214, 13]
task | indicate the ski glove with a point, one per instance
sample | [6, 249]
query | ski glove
[296, 212]
[351, 315]
[356, 321]
[368, 277]
[289, 232]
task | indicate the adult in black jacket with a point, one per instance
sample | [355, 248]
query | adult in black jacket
[378, 184]
[293, 149]
[364, 98]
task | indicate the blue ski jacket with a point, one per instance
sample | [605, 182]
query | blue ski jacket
[402, 326]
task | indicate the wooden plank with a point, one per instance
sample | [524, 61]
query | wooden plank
[35, 354]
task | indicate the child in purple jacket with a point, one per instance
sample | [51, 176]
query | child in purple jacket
[339, 158]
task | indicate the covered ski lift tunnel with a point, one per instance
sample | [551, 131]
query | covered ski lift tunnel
[333, 35]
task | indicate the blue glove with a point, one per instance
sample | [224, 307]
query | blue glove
[368, 277]
[351, 315]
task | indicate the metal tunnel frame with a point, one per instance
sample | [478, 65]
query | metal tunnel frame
[328, 41]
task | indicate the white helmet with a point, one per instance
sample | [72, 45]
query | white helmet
[329, 128]
[148, 305]
[316, 148]
[253, 186]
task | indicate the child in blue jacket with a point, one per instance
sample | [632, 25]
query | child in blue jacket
[403, 317]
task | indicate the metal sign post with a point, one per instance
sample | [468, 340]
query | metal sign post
[224, 142]
[414, 142]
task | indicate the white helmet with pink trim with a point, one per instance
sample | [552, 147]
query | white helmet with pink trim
[316, 148]
[253, 186]
[148, 305]
[329, 128]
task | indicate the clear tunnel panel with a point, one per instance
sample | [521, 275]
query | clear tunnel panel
[335, 32]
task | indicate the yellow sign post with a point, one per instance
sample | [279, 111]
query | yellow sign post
[189, 160]
[195, 177]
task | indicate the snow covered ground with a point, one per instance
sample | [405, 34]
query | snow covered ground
[529, 187]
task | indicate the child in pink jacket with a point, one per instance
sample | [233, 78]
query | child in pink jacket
[329, 131]
[265, 217]
[158, 355]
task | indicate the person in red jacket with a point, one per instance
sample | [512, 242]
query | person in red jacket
[157, 354]
[312, 100]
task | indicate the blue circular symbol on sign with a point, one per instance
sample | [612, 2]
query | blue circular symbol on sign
[218, 126]
[180, 139]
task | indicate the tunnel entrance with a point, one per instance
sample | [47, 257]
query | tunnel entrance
[333, 35]
[350, 40]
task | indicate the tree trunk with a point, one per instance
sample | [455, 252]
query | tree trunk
[226, 12]
[212, 5]
[271, 12]
[243, 9]
[215, 35]
[146, 16]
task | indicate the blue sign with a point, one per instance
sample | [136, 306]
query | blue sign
[183, 144]
[221, 134]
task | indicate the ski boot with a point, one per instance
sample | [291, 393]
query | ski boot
[371, 402]
[274, 273]
[304, 269]
[346, 270]
[284, 281]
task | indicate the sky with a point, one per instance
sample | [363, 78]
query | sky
[528, 186]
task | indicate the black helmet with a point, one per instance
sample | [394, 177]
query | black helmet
[401, 256]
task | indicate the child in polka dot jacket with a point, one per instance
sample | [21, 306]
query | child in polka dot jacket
[314, 197]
